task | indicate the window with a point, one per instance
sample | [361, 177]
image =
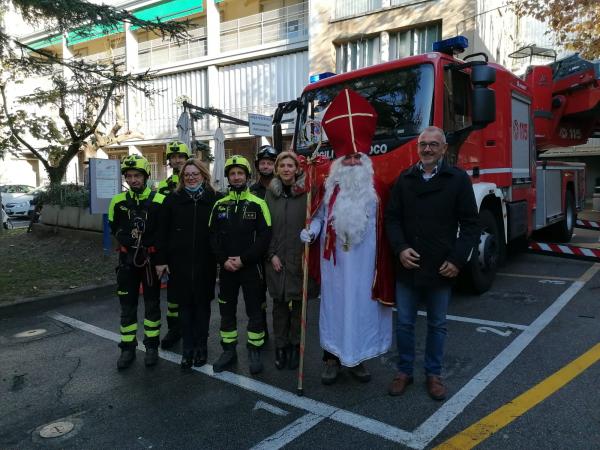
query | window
[457, 98]
[414, 41]
[403, 99]
[357, 54]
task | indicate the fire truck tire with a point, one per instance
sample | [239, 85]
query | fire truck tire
[563, 231]
[480, 272]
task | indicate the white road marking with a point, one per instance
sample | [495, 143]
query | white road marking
[433, 426]
[429, 429]
[322, 410]
[491, 323]
[289, 433]
[494, 330]
[552, 282]
[271, 408]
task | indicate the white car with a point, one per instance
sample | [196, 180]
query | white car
[16, 199]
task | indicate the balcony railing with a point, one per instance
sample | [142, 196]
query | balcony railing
[351, 8]
[106, 57]
[158, 51]
[289, 23]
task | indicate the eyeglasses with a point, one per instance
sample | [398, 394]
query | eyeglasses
[433, 145]
[192, 175]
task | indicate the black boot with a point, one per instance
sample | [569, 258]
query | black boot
[172, 337]
[187, 360]
[294, 360]
[227, 358]
[126, 359]
[200, 357]
[151, 358]
[280, 357]
[254, 361]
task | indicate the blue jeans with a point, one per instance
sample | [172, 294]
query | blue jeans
[436, 301]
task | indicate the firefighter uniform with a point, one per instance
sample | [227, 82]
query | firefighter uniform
[133, 221]
[165, 187]
[260, 190]
[240, 225]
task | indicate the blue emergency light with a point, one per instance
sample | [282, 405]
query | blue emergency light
[452, 46]
[320, 76]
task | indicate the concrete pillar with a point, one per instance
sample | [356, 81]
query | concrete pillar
[213, 29]
[131, 48]
[384, 46]
[67, 54]
[135, 150]
[212, 96]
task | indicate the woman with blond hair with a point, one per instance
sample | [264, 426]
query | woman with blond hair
[286, 199]
[185, 254]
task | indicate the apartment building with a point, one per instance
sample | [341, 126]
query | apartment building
[246, 56]
[243, 56]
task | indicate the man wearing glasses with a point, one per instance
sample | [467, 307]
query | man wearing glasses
[428, 204]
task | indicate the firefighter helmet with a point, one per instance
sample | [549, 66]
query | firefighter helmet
[177, 147]
[136, 162]
[237, 161]
[265, 152]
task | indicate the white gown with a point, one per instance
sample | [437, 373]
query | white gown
[352, 326]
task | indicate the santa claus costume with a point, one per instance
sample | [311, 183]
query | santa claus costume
[355, 321]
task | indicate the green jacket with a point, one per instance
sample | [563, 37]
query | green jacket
[168, 185]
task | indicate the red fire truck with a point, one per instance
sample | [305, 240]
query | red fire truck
[496, 124]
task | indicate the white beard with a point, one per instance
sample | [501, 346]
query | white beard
[353, 202]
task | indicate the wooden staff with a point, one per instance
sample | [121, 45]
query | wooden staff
[309, 180]
[300, 389]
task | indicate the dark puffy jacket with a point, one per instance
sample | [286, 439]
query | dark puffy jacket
[240, 225]
[426, 215]
[184, 244]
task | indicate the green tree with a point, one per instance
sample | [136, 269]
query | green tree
[575, 22]
[79, 96]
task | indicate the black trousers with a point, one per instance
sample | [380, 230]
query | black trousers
[129, 278]
[195, 320]
[286, 322]
[250, 280]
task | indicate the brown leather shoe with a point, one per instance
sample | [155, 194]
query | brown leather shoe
[436, 388]
[399, 384]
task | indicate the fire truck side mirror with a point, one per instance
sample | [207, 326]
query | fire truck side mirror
[484, 98]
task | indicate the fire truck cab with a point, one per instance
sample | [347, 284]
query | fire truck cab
[495, 124]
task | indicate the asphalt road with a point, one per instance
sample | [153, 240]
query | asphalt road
[541, 314]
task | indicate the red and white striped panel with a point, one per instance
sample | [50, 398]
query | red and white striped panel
[566, 250]
[589, 224]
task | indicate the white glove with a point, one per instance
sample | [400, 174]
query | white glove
[306, 236]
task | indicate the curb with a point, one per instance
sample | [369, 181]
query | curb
[61, 297]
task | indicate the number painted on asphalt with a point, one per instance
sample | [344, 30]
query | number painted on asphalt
[552, 282]
[494, 330]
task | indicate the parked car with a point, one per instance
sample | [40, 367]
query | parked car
[16, 199]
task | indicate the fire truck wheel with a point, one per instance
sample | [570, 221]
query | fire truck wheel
[563, 231]
[481, 269]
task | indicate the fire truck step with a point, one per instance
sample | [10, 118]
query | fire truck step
[566, 251]
[588, 224]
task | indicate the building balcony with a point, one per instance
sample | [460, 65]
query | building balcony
[284, 24]
[155, 52]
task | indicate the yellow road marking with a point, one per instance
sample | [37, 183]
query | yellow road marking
[541, 277]
[486, 427]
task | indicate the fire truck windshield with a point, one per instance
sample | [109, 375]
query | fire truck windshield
[403, 99]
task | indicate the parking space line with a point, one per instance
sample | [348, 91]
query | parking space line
[491, 323]
[536, 277]
[492, 423]
[315, 407]
[289, 433]
[455, 405]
